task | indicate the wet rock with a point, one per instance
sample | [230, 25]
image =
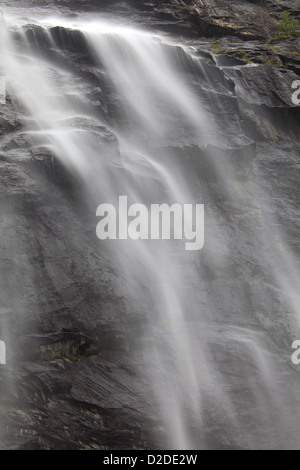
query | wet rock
[272, 86]
[69, 39]
[191, 18]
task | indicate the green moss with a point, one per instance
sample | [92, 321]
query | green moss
[217, 42]
[288, 27]
[246, 58]
[218, 50]
[271, 59]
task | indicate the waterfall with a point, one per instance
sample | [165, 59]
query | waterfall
[164, 116]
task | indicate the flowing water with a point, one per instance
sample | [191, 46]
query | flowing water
[197, 360]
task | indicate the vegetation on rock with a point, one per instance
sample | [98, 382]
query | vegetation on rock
[288, 26]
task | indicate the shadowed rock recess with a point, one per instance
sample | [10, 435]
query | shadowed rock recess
[76, 374]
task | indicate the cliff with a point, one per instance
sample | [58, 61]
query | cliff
[76, 367]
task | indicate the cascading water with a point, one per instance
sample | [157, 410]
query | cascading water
[195, 358]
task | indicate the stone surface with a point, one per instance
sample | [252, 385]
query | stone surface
[208, 18]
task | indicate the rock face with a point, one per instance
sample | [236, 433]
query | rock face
[50, 318]
[196, 18]
[76, 375]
